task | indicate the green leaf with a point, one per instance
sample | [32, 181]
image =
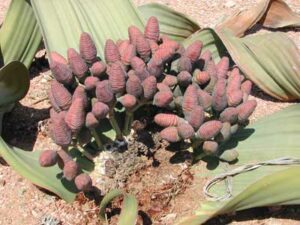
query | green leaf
[114, 193]
[20, 36]
[172, 23]
[27, 165]
[211, 42]
[62, 21]
[271, 61]
[280, 188]
[129, 211]
[14, 82]
[272, 137]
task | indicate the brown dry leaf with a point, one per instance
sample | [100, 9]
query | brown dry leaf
[269, 13]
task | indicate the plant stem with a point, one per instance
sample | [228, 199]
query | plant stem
[115, 125]
[128, 121]
[97, 138]
[85, 153]
[129, 116]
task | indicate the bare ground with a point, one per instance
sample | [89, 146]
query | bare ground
[165, 190]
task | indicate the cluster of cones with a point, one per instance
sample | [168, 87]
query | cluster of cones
[206, 99]
[210, 101]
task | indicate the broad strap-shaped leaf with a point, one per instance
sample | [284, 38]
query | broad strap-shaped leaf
[280, 188]
[272, 137]
[14, 83]
[27, 165]
[269, 13]
[271, 61]
[211, 42]
[62, 21]
[129, 211]
[172, 23]
[20, 36]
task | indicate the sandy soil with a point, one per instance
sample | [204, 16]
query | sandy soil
[162, 200]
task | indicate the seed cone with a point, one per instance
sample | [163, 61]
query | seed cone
[154, 68]
[75, 116]
[170, 134]
[60, 69]
[163, 55]
[84, 136]
[53, 113]
[168, 43]
[54, 105]
[212, 71]
[98, 68]
[210, 147]
[134, 86]
[185, 64]
[229, 115]
[143, 48]
[91, 121]
[166, 120]
[60, 132]
[205, 58]
[139, 67]
[201, 77]
[245, 110]
[127, 54]
[246, 87]
[128, 101]
[184, 78]
[60, 96]
[223, 67]
[83, 182]
[205, 100]
[80, 93]
[209, 129]
[48, 158]
[152, 29]
[100, 110]
[170, 80]
[77, 64]
[104, 91]
[111, 52]
[163, 87]
[234, 97]
[163, 98]
[137, 64]
[70, 170]
[193, 51]
[116, 76]
[153, 46]
[133, 33]
[196, 117]
[87, 48]
[219, 99]
[149, 87]
[190, 99]
[234, 81]
[90, 83]
[185, 130]
[122, 45]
